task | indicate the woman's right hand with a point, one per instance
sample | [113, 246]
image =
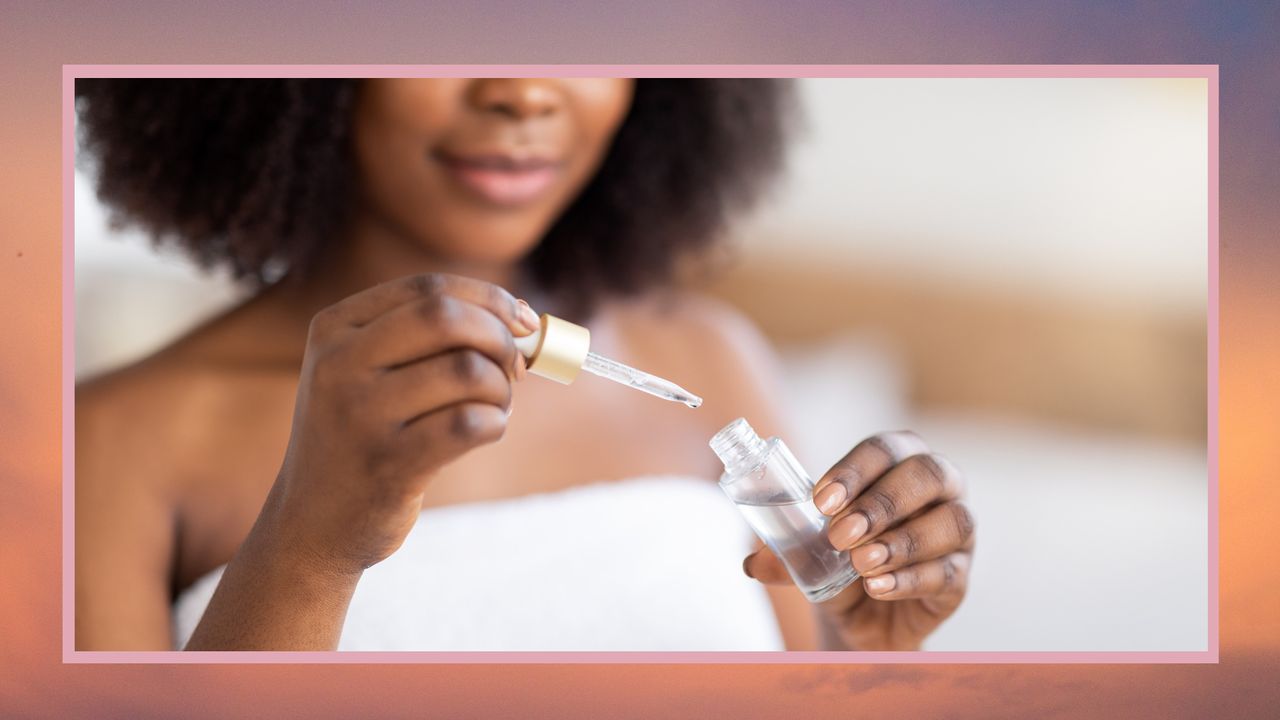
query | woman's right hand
[397, 381]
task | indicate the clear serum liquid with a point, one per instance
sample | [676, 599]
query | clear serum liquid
[775, 495]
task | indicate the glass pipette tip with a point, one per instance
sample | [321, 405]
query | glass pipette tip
[639, 379]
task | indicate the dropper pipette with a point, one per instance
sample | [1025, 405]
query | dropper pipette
[559, 349]
[639, 379]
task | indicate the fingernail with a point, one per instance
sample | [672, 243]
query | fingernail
[746, 571]
[846, 531]
[831, 497]
[528, 316]
[869, 557]
[881, 584]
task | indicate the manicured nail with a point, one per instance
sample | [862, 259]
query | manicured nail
[881, 584]
[831, 497]
[528, 316]
[869, 557]
[846, 531]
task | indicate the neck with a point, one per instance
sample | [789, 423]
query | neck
[370, 253]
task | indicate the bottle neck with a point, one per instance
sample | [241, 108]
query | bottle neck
[739, 447]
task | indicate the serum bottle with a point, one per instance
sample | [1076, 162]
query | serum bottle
[775, 495]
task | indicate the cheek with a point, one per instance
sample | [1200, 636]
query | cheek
[396, 121]
[390, 172]
[424, 108]
[602, 106]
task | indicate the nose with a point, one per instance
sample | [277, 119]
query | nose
[517, 98]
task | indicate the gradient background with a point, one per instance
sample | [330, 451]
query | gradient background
[36, 39]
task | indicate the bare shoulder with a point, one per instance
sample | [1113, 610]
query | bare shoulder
[153, 416]
[696, 323]
[133, 440]
[130, 422]
[709, 346]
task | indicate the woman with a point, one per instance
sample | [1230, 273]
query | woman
[361, 393]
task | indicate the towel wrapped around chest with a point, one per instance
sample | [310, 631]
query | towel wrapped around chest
[650, 563]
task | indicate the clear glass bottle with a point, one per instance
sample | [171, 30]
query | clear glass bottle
[775, 494]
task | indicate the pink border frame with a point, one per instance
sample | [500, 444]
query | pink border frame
[71, 72]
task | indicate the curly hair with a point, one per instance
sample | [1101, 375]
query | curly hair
[255, 174]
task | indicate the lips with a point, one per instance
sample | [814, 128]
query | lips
[502, 178]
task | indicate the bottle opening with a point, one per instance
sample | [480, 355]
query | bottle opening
[738, 446]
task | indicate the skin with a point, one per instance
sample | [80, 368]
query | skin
[298, 437]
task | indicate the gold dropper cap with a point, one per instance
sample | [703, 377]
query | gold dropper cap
[557, 350]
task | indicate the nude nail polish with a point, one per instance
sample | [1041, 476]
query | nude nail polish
[870, 557]
[831, 498]
[848, 530]
[882, 583]
[528, 316]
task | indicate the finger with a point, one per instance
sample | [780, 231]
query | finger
[531, 321]
[446, 433]
[764, 566]
[418, 388]
[522, 367]
[863, 465]
[915, 483]
[944, 577]
[942, 530]
[366, 306]
[433, 325]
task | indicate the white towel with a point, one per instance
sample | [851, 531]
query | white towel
[651, 563]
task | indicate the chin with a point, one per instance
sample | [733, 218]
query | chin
[485, 243]
[486, 252]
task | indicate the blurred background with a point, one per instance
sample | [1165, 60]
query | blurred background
[1014, 268]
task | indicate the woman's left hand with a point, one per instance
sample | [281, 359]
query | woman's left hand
[899, 509]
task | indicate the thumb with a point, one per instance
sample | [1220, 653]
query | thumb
[764, 566]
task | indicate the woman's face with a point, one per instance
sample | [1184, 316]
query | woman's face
[477, 170]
